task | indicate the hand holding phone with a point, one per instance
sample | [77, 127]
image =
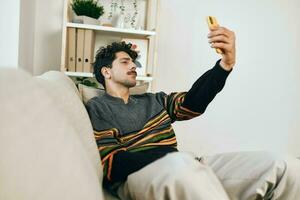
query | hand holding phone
[213, 23]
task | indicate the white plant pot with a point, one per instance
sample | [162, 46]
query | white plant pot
[85, 20]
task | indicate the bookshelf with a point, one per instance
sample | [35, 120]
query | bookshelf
[103, 35]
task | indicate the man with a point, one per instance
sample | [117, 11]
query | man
[137, 143]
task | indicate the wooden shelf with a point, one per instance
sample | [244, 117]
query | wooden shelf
[71, 48]
[112, 29]
[85, 74]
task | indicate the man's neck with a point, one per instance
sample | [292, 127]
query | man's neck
[122, 93]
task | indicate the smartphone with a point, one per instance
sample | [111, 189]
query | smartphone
[212, 23]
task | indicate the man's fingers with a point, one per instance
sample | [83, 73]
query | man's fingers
[221, 45]
[220, 31]
[219, 38]
[222, 38]
[219, 28]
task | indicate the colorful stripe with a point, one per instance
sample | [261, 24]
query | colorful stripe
[156, 132]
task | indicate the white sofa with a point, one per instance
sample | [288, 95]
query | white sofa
[47, 148]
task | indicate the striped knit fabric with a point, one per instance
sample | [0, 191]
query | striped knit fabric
[131, 136]
[157, 132]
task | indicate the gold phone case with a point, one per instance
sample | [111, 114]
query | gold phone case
[212, 23]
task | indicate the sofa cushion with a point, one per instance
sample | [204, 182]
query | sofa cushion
[42, 155]
[87, 92]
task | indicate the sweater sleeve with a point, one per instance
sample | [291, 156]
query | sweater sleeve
[205, 89]
[187, 105]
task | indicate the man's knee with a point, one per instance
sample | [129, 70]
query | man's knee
[275, 162]
[292, 170]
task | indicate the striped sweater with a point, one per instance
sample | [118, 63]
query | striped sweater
[130, 136]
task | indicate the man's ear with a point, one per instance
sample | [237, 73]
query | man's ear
[105, 72]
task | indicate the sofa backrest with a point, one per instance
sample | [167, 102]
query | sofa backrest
[47, 149]
[63, 90]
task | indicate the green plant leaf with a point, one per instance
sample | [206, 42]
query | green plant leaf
[88, 8]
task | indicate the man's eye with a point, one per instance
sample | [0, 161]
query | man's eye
[125, 62]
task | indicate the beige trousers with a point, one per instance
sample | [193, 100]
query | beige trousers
[234, 176]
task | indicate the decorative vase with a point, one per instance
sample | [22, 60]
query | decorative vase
[115, 19]
[121, 21]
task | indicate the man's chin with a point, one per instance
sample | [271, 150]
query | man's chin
[131, 84]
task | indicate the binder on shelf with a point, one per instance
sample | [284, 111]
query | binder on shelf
[89, 45]
[79, 50]
[71, 63]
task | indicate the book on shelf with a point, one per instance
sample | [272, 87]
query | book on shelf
[71, 62]
[88, 54]
[80, 49]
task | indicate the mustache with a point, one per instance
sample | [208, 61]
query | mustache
[131, 72]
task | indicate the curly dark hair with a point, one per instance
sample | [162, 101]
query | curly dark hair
[107, 54]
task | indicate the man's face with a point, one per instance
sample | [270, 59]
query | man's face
[123, 70]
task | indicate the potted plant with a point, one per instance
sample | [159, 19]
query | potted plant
[87, 11]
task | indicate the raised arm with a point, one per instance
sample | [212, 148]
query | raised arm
[183, 106]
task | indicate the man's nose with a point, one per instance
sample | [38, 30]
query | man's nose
[133, 66]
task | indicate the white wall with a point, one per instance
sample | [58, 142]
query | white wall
[48, 33]
[9, 33]
[27, 35]
[259, 107]
[40, 35]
